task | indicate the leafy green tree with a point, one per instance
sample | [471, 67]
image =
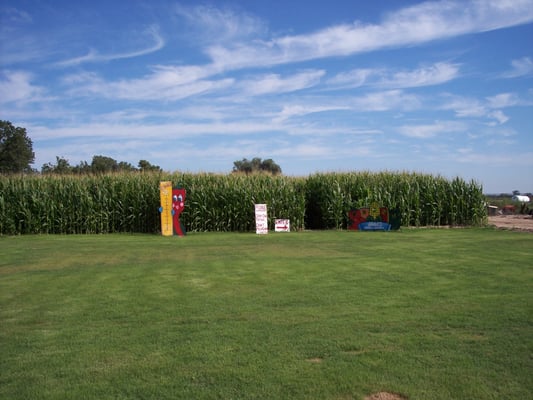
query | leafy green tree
[61, 166]
[103, 164]
[256, 165]
[242, 166]
[270, 166]
[126, 167]
[82, 168]
[146, 166]
[16, 149]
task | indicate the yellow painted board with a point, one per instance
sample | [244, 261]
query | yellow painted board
[165, 195]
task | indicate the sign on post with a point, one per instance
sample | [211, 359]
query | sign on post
[282, 225]
[261, 219]
[165, 196]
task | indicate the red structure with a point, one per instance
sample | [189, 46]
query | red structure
[178, 205]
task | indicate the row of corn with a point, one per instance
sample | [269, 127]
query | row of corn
[129, 202]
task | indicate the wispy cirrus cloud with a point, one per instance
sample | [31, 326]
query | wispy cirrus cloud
[435, 74]
[299, 110]
[353, 78]
[520, 67]
[94, 56]
[386, 100]
[230, 40]
[275, 83]
[489, 107]
[210, 25]
[17, 86]
[413, 25]
[425, 131]
[430, 75]
[163, 83]
[503, 100]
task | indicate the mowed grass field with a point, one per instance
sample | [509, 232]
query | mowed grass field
[427, 314]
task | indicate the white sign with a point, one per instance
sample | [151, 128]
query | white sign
[261, 220]
[282, 225]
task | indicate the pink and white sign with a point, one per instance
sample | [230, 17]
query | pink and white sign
[261, 219]
[282, 225]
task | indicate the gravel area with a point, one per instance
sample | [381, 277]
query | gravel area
[513, 222]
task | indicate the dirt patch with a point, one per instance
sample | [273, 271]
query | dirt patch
[315, 360]
[522, 223]
[385, 396]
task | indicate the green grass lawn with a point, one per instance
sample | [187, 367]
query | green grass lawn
[429, 314]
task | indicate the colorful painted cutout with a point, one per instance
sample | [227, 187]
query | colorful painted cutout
[178, 204]
[165, 195]
[373, 218]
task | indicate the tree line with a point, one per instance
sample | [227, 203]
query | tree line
[256, 165]
[16, 156]
[98, 165]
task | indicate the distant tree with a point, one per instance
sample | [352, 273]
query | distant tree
[61, 166]
[82, 168]
[256, 165]
[99, 165]
[270, 166]
[126, 167]
[242, 166]
[16, 149]
[516, 192]
[103, 164]
[146, 166]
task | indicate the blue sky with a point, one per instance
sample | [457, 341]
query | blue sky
[440, 87]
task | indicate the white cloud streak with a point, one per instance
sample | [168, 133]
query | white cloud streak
[274, 83]
[520, 67]
[209, 24]
[16, 86]
[418, 24]
[413, 25]
[431, 75]
[164, 83]
[93, 56]
[489, 107]
[426, 131]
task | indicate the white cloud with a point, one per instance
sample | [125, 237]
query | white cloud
[164, 83]
[217, 25]
[16, 86]
[413, 25]
[299, 110]
[426, 131]
[520, 67]
[501, 159]
[499, 116]
[490, 107]
[426, 76]
[384, 101]
[274, 83]
[435, 74]
[502, 100]
[354, 78]
[163, 130]
[464, 106]
[94, 56]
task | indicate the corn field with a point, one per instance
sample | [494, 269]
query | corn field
[422, 200]
[95, 204]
